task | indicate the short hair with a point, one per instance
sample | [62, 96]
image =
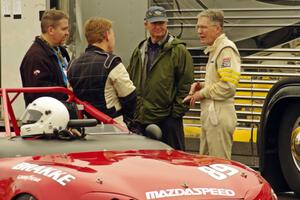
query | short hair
[95, 29]
[214, 15]
[52, 18]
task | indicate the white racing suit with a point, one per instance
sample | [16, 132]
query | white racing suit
[218, 114]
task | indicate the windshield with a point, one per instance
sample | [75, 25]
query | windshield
[106, 129]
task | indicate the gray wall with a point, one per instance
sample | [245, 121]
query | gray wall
[16, 37]
[127, 15]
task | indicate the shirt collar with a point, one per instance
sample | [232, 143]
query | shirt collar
[162, 41]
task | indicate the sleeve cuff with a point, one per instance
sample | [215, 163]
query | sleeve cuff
[203, 93]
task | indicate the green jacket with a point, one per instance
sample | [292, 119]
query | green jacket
[161, 92]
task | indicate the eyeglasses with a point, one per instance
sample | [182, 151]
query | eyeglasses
[202, 27]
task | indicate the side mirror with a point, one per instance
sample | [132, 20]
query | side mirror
[153, 131]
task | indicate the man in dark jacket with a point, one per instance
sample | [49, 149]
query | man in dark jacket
[46, 61]
[162, 70]
[99, 77]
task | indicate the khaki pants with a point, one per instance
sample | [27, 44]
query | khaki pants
[217, 135]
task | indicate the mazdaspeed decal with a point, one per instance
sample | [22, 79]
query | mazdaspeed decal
[189, 192]
[57, 175]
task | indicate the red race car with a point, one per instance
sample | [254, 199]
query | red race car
[48, 156]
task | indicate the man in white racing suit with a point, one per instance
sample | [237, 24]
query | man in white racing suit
[216, 94]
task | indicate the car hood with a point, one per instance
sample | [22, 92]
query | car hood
[145, 174]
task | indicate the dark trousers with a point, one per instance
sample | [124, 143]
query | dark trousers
[172, 132]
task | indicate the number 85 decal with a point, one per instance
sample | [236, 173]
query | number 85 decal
[218, 171]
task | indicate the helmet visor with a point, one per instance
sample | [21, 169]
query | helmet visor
[31, 116]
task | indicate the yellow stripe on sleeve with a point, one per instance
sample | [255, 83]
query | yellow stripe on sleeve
[228, 75]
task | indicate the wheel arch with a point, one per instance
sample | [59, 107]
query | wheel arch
[22, 196]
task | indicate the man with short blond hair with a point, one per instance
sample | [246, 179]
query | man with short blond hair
[218, 116]
[46, 61]
[99, 77]
[95, 29]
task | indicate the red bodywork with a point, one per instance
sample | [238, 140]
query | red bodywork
[123, 175]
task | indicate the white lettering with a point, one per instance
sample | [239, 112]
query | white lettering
[222, 192]
[189, 192]
[218, 171]
[171, 192]
[29, 168]
[46, 171]
[204, 191]
[21, 166]
[151, 195]
[37, 169]
[179, 192]
[66, 178]
[28, 178]
[198, 191]
[214, 191]
[230, 193]
[162, 194]
[57, 175]
[229, 171]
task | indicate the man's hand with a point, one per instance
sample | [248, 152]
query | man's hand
[194, 88]
[194, 94]
[192, 98]
[196, 97]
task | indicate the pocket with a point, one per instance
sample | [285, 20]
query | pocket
[212, 114]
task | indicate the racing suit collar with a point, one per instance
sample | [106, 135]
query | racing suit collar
[91, 47]
[215, 44]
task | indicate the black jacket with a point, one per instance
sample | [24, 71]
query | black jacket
[40, 68]
[88, 76]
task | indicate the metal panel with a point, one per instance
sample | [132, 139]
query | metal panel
[16, 37]
[128, 17]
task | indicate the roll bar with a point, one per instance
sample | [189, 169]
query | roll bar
[10, 118]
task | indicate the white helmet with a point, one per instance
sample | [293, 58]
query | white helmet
[45, 115]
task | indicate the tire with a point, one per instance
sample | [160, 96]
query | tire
[290, 167]
[25, 197]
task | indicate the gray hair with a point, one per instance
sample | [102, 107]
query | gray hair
[214, 15]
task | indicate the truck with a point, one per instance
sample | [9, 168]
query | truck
[279, 136]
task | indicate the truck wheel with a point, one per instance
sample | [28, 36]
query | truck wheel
[25, 197]
[289, 146]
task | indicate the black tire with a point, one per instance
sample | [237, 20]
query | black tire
[289, 168]
[25, 197]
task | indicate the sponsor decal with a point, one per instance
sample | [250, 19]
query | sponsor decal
[226, 62]
[189, 192]
[28, 178]
[57, 175]
[219, 171]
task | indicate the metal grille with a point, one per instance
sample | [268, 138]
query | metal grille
[267, 36]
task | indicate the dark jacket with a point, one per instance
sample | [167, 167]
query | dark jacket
[161, 91]
[88, 76]
[40, 68]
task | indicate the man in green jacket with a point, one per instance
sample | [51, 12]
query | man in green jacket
[161, 68]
